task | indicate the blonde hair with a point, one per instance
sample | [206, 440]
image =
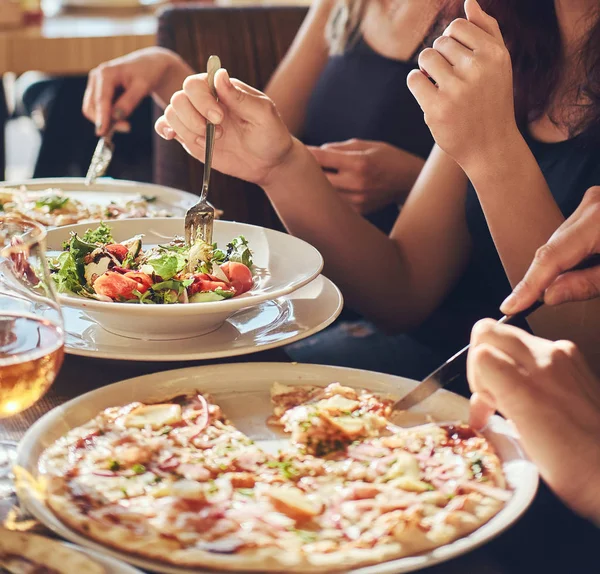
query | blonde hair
[343, 27]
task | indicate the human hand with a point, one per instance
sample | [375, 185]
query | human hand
[369, 175]
[470, 108]
[138, 74]
[251, 140]
[553, 399]
[575, 240]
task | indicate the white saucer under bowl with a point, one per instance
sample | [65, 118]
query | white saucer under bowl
[266, 326]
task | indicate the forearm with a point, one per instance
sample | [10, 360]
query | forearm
[522, 215]
[518, 206]
[312, 210]
[176, 71]
[407, 173]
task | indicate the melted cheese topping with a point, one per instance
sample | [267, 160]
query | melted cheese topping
[174, 470]
[330, 418]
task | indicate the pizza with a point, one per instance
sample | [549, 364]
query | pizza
[53, 207]
[177, 482]
[22, 553]
[321, 420]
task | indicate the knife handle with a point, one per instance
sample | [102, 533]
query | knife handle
[593, 261]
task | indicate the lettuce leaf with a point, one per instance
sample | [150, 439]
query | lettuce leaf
[177, 245]
[164, 292]
[169, 296]
[78, 250]
[144, 298]
[168, 285]
[167, 264]
[101, 235]
[239, 251]
[200, 256]
[66, 278]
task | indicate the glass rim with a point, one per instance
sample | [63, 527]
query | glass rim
[37, 236]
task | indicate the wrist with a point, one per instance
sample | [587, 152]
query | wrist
[289, 166]
[174, 70]
[495, 159]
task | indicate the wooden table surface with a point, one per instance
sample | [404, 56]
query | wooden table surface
[547, 539]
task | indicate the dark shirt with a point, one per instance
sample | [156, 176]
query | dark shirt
[570, 167]
[361, 94]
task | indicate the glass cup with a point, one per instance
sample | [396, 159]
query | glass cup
[31, 327]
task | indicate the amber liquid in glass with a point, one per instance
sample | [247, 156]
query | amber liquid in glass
[31, 353]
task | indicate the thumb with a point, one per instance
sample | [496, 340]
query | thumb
[526, 293]
[574, 286]
[482, 407]
[481, 19]
[333, 158]
[248, 103]
[348, 145]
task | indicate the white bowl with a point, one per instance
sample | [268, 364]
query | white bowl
[282, 264]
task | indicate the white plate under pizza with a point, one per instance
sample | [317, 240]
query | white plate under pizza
[181, 472]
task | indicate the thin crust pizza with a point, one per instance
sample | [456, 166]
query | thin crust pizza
[178, 483]
[53, 207]
[23, 553]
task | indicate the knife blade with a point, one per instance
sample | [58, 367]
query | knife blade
[456, 366]
[101, 158]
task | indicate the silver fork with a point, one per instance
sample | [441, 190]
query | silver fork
[199, 218]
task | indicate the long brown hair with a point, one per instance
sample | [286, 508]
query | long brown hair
[532, 36]
[531, 32]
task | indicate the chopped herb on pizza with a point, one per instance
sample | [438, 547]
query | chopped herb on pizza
[177, 482]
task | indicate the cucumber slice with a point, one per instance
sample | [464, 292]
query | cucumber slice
[134, 245]
[206, 297]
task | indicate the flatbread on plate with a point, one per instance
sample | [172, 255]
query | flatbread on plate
[178, 483]
[23, 553]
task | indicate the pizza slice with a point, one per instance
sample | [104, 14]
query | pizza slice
[22, 553]
[322, 420]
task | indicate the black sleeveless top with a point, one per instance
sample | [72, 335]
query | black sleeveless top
[361, 94]
[570, 167]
